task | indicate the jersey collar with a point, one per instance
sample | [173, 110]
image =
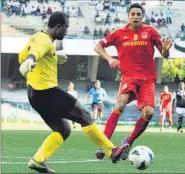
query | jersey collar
[48, 35]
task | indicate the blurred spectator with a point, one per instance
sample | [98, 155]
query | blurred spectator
[86, 30]
[100, 33]
[62, 3]
[49, 11]
[117, 19]
[106, 32]
[79, 12]
[74, 93]
[97, 18]
[73, 12]
[99, 6]
[107, 19]
[168, 16]
[182, 27]
[93, 2]
[95, 34]
[106, 5]
[169, 3]
[147, 20]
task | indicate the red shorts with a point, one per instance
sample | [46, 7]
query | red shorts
[166, 112]
[141, 90]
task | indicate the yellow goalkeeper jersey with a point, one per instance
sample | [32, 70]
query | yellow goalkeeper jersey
[44, 74]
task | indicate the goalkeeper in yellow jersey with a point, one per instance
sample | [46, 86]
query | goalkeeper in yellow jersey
[38, 64]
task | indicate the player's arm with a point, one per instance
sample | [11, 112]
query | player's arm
[100, 49]
[104, 94]
[163, 46]
[89, 94]
[37, 49]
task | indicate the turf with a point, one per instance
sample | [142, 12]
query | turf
[77, 154]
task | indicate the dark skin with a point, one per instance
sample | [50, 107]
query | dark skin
[59, 31]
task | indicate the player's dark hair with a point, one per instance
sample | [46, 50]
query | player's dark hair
[57, 18]
[137, 5]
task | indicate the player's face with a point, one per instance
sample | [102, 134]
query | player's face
[181, 86]
[97, 84]
[62, 31]
[70, 86]
[135, 17]
[165, 89]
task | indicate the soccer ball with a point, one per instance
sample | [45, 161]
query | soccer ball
[141, 157]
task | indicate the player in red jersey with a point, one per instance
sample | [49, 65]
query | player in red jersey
[166, 99]
[135, 46]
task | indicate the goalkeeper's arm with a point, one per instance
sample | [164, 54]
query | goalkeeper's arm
[62, 57]
[27, 65]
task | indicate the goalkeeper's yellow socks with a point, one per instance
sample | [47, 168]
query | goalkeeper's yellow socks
[49, 146]
[98, 137]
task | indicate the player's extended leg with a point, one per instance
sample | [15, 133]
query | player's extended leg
[61, 132]
[146, 103]
[170, 120]
[50, 104]
[94, 111]
[81, 116]
[162, 120]
[180, 121]
[113, 120]
[141, 124]
[99, 114]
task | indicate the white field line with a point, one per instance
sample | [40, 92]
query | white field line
[59, 161]
[55, 162]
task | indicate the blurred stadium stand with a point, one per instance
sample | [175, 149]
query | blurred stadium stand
[16, 25]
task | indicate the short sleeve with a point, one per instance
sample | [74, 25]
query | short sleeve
[108, 40]
[156, 38]
[39, 46]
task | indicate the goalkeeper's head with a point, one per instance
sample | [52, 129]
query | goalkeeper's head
[58, 24]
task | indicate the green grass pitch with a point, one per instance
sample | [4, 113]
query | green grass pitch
[76, 155]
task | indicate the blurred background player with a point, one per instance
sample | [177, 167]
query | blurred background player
[179, 105]
[38, 64]
[74, 93]
[166, 100]
[98, 95]
[135, 46]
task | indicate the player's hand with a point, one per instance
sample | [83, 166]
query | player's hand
[26, 66]
[62, 59]
[167, 43]
[113, 63]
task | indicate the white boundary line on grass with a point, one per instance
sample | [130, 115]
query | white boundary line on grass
[55, 162]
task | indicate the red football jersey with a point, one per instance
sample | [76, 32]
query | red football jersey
[135, 50]
[166, 99]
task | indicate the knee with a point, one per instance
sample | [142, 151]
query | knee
[65, 132]
[148, 112]
[86, 119]
[121, 103]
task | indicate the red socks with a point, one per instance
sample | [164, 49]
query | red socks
[140, 126]
[112, 123]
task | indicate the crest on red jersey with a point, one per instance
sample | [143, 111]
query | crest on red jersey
[144, 35]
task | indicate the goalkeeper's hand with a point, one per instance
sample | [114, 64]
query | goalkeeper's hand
[27, 66]
[62, 59]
